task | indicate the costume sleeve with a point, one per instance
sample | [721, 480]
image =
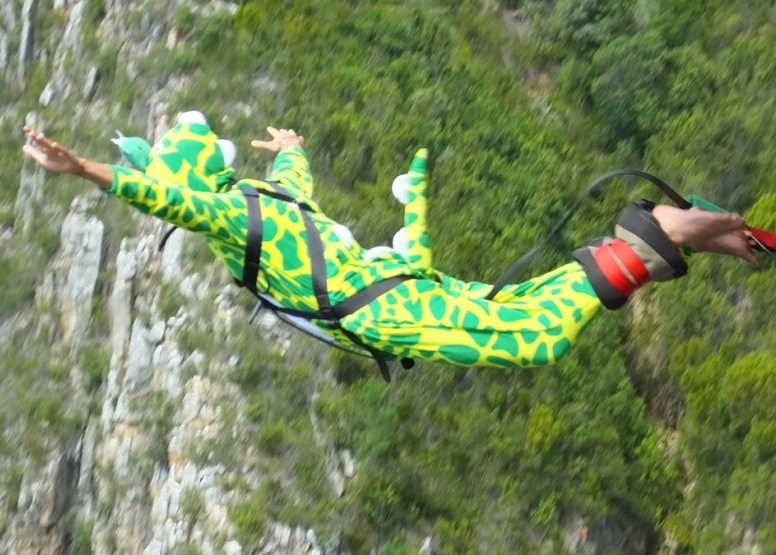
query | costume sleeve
[292, 170]
[418, 241]
[192, 210]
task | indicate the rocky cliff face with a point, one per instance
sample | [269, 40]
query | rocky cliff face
[142, 413]
[143, 342]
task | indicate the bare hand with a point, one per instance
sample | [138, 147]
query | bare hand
[50, 155]
[281, 138]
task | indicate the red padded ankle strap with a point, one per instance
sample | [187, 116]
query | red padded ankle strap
[612, 257]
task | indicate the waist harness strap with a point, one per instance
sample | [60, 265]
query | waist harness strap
[332, 314]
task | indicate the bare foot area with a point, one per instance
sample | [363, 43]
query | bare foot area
[685, 227]
[733, 243]
[704, 231]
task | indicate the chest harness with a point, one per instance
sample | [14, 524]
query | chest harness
[330, 313]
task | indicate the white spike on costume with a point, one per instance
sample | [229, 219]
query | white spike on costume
[192, 117]
[377, 252]
[228, 150]
[401, 188]
[401, 243]
[344, 235]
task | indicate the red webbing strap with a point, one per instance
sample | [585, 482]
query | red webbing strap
[607, 257]
[766, 238]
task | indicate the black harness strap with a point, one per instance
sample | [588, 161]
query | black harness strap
[166, 237]
[279, 194]
[360, 300]
[327, 312]
[318, 263]
[253, 240]
[366, 296]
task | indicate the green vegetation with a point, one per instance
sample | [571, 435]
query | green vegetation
[521, 104]
[250, 523]
[35, 395]
[82, 537]
[13, 485]
[158, 412]
[192, 505]
[516, 126]
[185, 549]
[95, 363]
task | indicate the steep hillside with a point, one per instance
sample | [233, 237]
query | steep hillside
[143, 412]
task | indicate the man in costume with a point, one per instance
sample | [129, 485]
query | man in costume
[276, 242]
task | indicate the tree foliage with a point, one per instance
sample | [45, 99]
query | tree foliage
[521, 103]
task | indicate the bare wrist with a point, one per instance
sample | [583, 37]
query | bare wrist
[80, 170]
[100, 174]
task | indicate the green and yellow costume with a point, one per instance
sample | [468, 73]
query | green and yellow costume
[431, 316]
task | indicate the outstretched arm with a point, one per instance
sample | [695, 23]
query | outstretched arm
[291, 168]
[57, 159]
[191, 210]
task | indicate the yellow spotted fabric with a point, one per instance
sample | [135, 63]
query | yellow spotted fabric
[444, 319]
[188, 155]
[432, 317]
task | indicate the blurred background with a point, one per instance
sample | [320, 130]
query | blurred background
[142, 413]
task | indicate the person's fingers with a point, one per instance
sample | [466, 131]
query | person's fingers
[57, 150]
[278, 135]
[268, 145]
[36, 138]
[38, 155]
[44, 143]
[700, 225]
[30, 132]
[32, 152]
[40, 147]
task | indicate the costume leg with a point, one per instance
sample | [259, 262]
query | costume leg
[507, 294]
[530, 324]
[423, 319]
